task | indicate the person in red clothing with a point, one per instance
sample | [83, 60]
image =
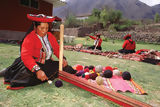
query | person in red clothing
[97, 42]
[128, 46]
[35, 64]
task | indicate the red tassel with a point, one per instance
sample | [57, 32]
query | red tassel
[13, 88]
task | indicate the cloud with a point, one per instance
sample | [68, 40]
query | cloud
[151, 2]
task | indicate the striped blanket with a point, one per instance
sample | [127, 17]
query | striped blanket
[116, 83]
[142, 55]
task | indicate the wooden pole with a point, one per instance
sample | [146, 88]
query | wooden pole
[61, 48]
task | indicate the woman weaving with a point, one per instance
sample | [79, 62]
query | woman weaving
[35, 65]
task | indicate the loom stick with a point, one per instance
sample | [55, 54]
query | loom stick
[61, 47]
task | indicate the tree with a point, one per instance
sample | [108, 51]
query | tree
[156, 18]
[71, 21]
[104, 16]
[96, 13]
[114, 16]
[92, 20]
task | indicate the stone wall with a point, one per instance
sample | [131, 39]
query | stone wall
[147, 37]
[137, 36]
[81, 31]
[71, 31]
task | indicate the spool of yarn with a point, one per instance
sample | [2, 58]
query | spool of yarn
[84, 74]
[87, 77]
[93, 76]
[49, 81]
[109, 68]
[99, 80]
[86, 70]
[115, 68]
[79, 67]
[101, 74]
[79, 73]
[91, 67]
[91, 71]
[107, 73]
[126, 75]
[94, 69]
[86, 67]
[98, 68]
[58, 83]
[116, 72]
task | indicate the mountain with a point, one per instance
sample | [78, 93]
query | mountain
[132, 9]
[156, 8]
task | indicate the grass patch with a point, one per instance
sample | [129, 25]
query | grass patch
[44, 95]
[146, 75]
[116, 45]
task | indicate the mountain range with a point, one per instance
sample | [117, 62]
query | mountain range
[131, 9]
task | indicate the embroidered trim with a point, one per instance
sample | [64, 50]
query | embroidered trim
[35, 68]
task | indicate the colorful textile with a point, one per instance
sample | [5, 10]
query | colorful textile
[116, 83]
[142, 55]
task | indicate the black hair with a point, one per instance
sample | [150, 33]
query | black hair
[128, 38]
[99, 36]
[34, 24]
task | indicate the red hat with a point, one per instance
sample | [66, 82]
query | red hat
[42, 18]
[98, 35]
[128, 35]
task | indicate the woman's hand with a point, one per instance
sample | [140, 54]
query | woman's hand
[65, 63]
[41, 75]
[87, 34]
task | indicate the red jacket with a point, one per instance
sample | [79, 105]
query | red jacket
[31, 49]
[129, 45]
[99, 41]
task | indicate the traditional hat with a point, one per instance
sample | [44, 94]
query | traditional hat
[125, 37]
[98, 35]
[43, 18]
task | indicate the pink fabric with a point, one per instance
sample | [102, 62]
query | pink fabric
[119, 84]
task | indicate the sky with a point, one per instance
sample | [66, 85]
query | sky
[148, 2]
[151, 2]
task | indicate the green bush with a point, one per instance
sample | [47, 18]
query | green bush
[105, 39]
[157, 18]
[71, 21]
[92, 20]
[112, 28]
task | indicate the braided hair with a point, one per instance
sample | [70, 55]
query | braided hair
[34, 24]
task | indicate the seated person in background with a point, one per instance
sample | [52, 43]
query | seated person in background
[128, 45]
[97, 42]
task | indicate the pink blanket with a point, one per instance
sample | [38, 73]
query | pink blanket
[116, 83]
[119, 84]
